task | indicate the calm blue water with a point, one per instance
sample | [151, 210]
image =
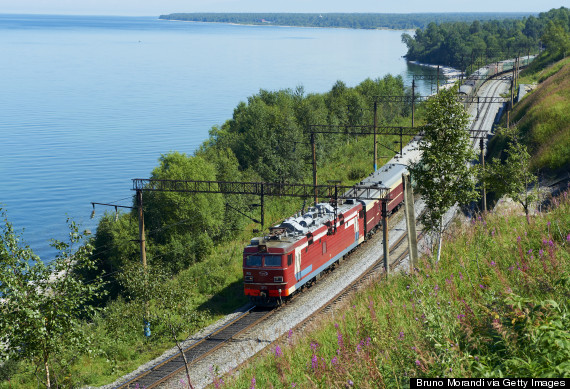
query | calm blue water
[88, 103]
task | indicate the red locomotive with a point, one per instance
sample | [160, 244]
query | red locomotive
[299, 249]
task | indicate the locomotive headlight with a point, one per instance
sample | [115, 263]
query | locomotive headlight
[278, 279]
[248, 278]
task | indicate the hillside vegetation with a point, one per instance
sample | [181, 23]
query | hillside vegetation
[543, 117]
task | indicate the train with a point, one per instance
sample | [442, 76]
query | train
[298, 250]
[472, 83]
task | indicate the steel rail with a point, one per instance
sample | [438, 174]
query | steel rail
[203, 347]
[479, 123]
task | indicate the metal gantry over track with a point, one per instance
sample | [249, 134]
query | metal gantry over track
[263, 189]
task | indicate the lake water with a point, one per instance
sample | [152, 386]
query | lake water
[88, 103]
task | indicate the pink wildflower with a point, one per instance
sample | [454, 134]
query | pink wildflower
[278, 352]
[314, 362]
[314, 346]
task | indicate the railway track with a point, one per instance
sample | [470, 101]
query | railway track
[479, 123]
[164, 370]
[371, 272]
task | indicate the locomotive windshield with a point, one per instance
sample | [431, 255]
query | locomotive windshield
[269, 260]
[253, 260]
[273, 260]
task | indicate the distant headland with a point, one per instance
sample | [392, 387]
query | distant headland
[368, 21]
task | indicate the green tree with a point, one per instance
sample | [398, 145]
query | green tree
[460, 43]
[115, 246]
[513, 177]
[184, 226]
[443, 174]
[557, 39]
[264, 136]
[43, 303]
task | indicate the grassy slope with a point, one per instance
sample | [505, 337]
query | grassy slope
[495, 305]
[543, 116]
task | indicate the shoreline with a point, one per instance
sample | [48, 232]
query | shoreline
[449, 74]
[447, 71]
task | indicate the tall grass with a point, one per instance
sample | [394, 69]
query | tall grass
[495, 305]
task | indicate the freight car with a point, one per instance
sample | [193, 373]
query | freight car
[298, 250]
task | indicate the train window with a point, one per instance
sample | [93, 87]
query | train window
[289, 259]
[253, 260]
[272, 260]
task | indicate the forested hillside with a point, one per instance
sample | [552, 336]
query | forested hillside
[343, 20]
[460, 44]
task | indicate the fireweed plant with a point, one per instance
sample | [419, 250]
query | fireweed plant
[495, 305]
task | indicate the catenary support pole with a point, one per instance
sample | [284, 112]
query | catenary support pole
[313, 148]
[262, 202]
[401, 142]
[141, 228]
[413, 98]
[375, 131]
[386, 242]
[484, 194]
[143, 258]
[410, 216]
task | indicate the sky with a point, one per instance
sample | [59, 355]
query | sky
[158, 7]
